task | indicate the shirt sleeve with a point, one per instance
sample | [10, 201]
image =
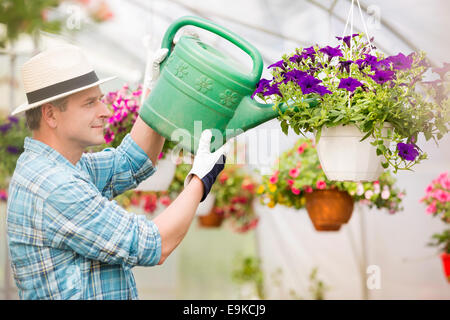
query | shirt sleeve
[115, 170]
[78, 217]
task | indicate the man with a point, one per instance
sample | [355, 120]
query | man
[67, 239]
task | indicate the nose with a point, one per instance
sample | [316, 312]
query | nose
[104, 111]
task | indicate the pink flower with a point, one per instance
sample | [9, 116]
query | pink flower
[295, 190]
[429, 188]
[321, 185]
[294, 172]
[109, 136]
[368, 194]
[401, 195]
[290, 182]
[302, 148]
[385, 194]
[431, 208]
[165, 200]
[161, 155]
[360, 189]
[308, 189]
[273, 179]
[441, 195]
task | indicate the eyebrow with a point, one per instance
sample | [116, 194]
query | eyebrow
[94, 98]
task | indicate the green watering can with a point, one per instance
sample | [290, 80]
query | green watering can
[201, 88]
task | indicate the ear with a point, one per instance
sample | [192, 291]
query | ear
[49, 115]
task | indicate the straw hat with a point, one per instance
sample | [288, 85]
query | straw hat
[54, 74]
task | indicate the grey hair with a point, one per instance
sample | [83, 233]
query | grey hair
[34, 115]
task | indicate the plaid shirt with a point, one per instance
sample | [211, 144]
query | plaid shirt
[67, 240]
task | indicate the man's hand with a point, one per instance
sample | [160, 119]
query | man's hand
[152, 72]
[207, 165]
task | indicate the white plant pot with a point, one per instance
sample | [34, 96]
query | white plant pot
[206, 206]
[161, 179]
[344, 158]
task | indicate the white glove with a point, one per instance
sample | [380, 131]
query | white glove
[152, 71]
[207, 165]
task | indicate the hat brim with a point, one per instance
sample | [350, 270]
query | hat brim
[24, 107]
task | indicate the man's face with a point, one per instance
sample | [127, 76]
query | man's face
[84, 119]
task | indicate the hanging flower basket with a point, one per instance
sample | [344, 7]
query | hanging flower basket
[161, 179]
[344, 157]
[206, 206]
[329, 209]
[212, 220]
[445, 257]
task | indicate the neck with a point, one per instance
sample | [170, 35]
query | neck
[71, 151]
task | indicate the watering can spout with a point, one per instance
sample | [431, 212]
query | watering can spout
[251, 113]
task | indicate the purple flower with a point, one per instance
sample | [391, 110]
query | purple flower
[294, 75]
[349, 84]
[12, 149]
[400, 61]
[322, 90]
[381, 76]
[308, 84]
[13, 119]
[273, 89]
[346, 39]
[309, 52]
[296, 58]
[262, 84]
[279, 64]
[4, 128]
[442, 71]
[407, 151]
[332, 52]
[345, 65]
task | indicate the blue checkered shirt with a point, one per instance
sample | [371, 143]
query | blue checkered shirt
[67, 238]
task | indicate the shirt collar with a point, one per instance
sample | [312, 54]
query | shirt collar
[41, 148]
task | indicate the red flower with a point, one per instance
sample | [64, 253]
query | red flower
[308, 189]
[290, 182]
[165, 200]
[294, 172]
[273, 179]
[302, 148]
[321, 184]
[223, 177]
[295, 190]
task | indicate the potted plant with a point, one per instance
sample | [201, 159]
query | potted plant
[235, 191]
[249, 275]
[298, 181]
[371, 108]
[124, 105]
[437, 199]
[443, 241]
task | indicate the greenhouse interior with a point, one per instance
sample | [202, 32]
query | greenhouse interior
[299, 210]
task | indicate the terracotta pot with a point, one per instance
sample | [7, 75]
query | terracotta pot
[329, 209]
[445, 257]
[211, 220]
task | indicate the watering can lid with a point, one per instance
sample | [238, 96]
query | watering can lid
[214, 62]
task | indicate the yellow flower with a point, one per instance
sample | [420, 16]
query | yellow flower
[272, 187]
[260, 189]
[126, 203]
[302, 201]
[271, 204]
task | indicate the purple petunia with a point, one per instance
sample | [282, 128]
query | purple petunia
[346, 39]
[294, 75]
[382, 76]
[345, 65]
[322, 90]
[407, 151]
[332, 52]
[12, 149]
[262, 84]
[349, 84]
[308, 84]
[13, 119]
[400, 61]
[273, 89]
[4, 128]
[279, 64]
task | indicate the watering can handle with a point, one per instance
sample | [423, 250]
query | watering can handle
[224, 33]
